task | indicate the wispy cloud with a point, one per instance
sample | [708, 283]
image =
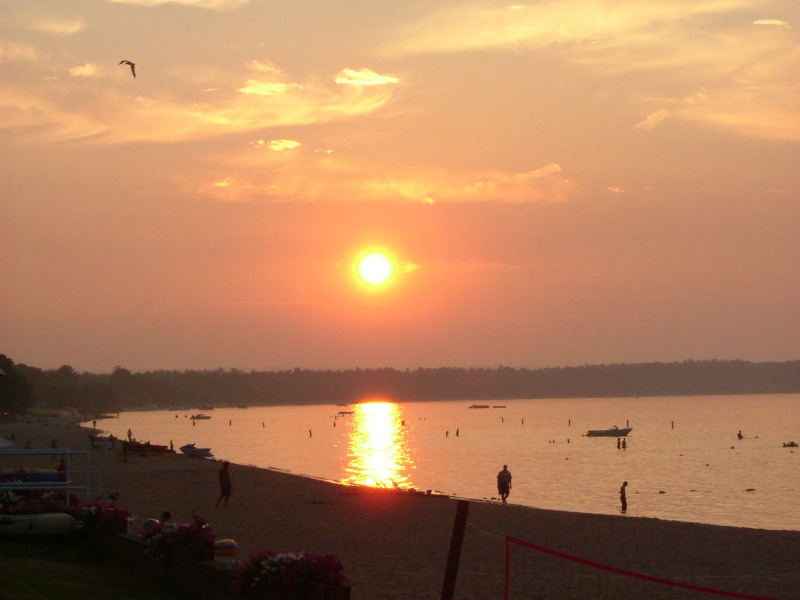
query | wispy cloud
[279, 145]
[771, 23]
[652, 120]
[59, 28]
[666, 44]
[266, 88]
[209, 4]
[602, 23]
[116, 115]
[542, 184]
[364, 77]
[87, 70]
[14, 51]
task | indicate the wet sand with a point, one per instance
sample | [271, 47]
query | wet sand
[395, 545]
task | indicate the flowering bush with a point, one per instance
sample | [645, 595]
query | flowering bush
[104, 515]
[195, 539]
[32, 503]
[97, 514]
[265, 570]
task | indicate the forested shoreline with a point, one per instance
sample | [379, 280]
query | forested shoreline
[24, 387]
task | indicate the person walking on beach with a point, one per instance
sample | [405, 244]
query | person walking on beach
[622, 497]
[504, 483]
[225, 487]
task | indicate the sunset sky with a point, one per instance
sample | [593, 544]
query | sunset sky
[555, 183]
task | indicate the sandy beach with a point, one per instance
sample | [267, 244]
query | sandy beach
[395, 544]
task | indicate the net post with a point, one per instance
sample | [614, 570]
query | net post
[456, 541]
[508, 568]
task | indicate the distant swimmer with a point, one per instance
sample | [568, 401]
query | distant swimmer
[132, 65]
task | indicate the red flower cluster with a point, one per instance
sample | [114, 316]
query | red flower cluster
[195, 539]
[273, 570]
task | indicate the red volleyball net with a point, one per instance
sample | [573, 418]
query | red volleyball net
[534, 572]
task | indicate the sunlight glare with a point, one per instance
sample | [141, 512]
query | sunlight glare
[377, 449]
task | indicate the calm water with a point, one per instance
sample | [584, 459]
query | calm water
[683, 460]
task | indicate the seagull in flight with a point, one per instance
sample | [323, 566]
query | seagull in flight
[133, 66]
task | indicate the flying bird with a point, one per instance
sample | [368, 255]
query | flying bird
[133, 66]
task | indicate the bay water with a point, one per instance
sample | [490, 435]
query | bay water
[683, 460]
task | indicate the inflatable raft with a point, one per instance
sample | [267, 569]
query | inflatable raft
[38, 525]
[225, 548]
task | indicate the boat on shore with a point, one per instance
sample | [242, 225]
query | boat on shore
[136, 447]
[192, 450]
[612, 432]
[38, 525]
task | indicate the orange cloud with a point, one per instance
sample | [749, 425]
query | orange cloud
[652, 120]
[209, 4]
[59, 28]
[364, 77]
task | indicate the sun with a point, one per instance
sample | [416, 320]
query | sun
[375, 268]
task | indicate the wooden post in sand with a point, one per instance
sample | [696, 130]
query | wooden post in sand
[457, 539]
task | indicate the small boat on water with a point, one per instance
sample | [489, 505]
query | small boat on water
[613, 432]
[192, 450]
[199, 417]
[478, 406]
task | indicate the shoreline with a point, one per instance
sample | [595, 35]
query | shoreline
[395, 544]
[676, 473]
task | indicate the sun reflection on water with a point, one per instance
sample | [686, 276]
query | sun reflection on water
[377, 451]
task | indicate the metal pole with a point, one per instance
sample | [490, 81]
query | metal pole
[456, 541]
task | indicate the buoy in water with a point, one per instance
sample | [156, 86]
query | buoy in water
[225, 548]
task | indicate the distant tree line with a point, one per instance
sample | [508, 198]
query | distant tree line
[24, 387]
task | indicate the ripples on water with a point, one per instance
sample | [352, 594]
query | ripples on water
[683, 461]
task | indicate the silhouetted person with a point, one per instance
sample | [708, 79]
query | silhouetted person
[622, 497]
[739, 435]
[624, 444]
[225, 486]
[504, 483]
[619, 443]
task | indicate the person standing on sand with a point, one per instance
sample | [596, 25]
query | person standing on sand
[622, 498]
[504, 483]
[225, 487]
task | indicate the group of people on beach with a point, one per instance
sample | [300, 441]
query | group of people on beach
[504, 488]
